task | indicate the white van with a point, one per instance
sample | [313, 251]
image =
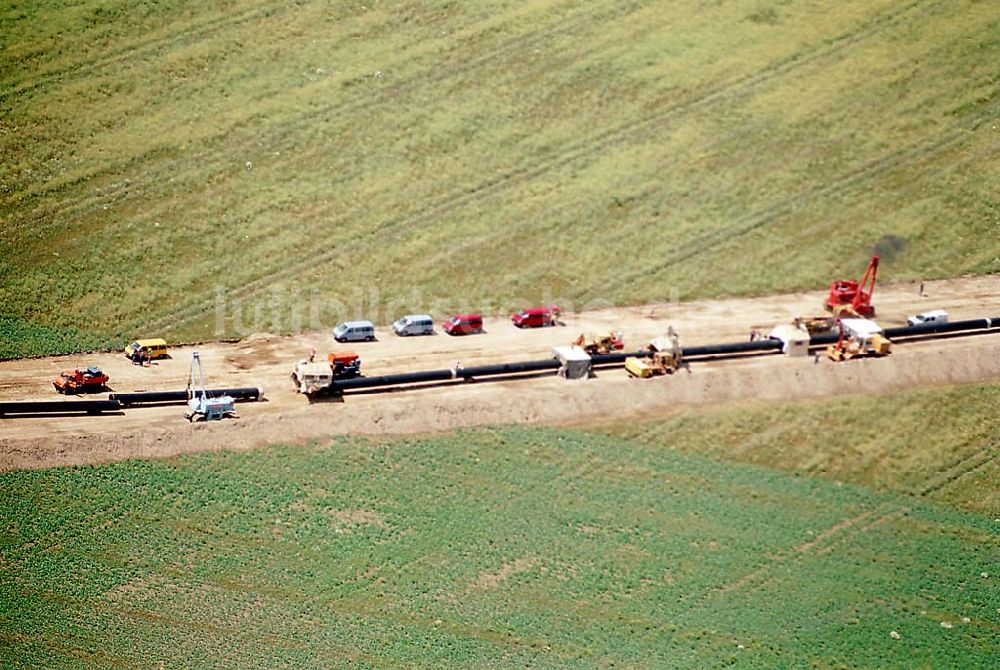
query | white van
[414, 324]
[934, 316]
[354, 331]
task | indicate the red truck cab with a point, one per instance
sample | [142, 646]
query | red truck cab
[536, 317]
[463, 324]
[74, 381]
[345, 364]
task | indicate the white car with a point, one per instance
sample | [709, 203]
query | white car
[934, 316]
[354, 331]
[414, 324]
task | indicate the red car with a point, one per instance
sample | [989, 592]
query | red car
[536, 317]
[463, 324]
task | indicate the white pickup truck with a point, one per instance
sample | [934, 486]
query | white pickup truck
[934, 316]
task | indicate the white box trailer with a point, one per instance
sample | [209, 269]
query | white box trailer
[794, 339]
[574, 362]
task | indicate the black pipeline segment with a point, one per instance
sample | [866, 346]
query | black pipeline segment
[59, 406]
[819, 340]
[986, 323]
[732, 348]
[969, 325]
[181, 397]
[756, 346]
[445, 375]
[539, 365]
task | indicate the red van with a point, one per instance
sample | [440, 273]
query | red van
[463, 324]
[535, 317]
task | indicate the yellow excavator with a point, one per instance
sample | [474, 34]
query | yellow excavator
[858, 338]
[600, 344]
[664, 357]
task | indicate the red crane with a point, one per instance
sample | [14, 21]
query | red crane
[854, 297]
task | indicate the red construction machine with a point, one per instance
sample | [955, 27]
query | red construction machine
[854, 298]
[80, 381]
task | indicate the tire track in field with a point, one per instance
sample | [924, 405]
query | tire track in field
[380, 95]
[145, 47]
[841, 186]
[824, 542]
[835, 537]
[588, 147]
[962, 468]
[536, 38]
[702, 242]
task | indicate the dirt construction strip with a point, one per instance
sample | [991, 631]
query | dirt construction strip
[266, 361]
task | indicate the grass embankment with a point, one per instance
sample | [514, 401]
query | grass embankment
[333, 155]
[937, 443]
[511, 547]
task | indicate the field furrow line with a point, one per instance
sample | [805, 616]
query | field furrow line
[824, 542]
[379, 96]
[142, 47]
[599, 142]
[840, 186]
[962, 468]
[837, 536]
[394, 90]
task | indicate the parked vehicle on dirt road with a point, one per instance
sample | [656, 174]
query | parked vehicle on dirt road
[344, 364]
[463, 324]
[354, 331]
[149, 349]
[80, 381]
[316, 377]
[536, 317]
[414, 324]
[934, 316]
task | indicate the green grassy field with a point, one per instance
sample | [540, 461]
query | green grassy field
[917, 443]
[328, 153]
[508, 547]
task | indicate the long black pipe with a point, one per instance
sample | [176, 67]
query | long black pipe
[59, 406]
[181, 397]
[539, 365]
[988, 323]
[445, 375]
[758, 346]
[118, 400]
[946, 327]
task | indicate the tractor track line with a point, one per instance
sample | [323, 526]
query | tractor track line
[841, 185]
[836, 536]
[690, 249]
[826, 540]
[147, 47]
[395, 91]
[381, 95]
[599, 142]
[966, 466]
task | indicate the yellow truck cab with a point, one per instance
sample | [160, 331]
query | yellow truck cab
[156, 347]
